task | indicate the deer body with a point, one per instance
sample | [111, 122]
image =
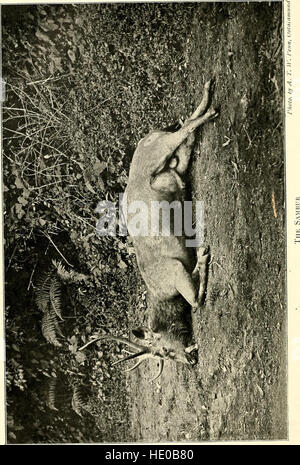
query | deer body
[158, 257]
[159, 163]
[174, 274]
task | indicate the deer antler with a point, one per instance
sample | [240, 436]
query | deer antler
[142, 354]
[127, 370]
[160, 369]
[134, 345]
[132, 356]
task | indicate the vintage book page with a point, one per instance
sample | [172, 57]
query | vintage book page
[150, 223]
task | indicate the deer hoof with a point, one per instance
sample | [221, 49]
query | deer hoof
[207, 84]
[212, 113]
[202, 254]
[195, 308]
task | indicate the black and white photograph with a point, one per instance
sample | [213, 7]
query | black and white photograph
[144, 222]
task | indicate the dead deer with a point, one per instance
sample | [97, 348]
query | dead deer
[175, 276]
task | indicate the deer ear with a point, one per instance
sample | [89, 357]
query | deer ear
[141, 332]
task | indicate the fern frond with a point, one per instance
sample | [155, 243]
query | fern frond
[54, 296]
[49, 327]
[68, 275]
[57, 327]
[48, 300]
[80, 401]
[51, 394]
[42, 292]
[77, 401]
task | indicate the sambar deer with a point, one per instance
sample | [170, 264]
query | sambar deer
[174, 274]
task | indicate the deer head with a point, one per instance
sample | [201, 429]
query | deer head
[151, 345]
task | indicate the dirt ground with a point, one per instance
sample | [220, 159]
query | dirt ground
[238, 388]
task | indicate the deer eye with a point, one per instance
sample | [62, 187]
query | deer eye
[165, 351]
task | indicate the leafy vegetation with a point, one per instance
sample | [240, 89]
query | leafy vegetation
[84, 83]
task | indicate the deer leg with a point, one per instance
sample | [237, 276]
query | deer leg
[168, 181]
[170, 142]
[185, 285]
[183, 152]
[199, 273]
[204, 102]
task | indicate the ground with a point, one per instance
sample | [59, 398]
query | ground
[238, 389]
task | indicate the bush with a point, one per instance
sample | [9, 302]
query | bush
[91, 81]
